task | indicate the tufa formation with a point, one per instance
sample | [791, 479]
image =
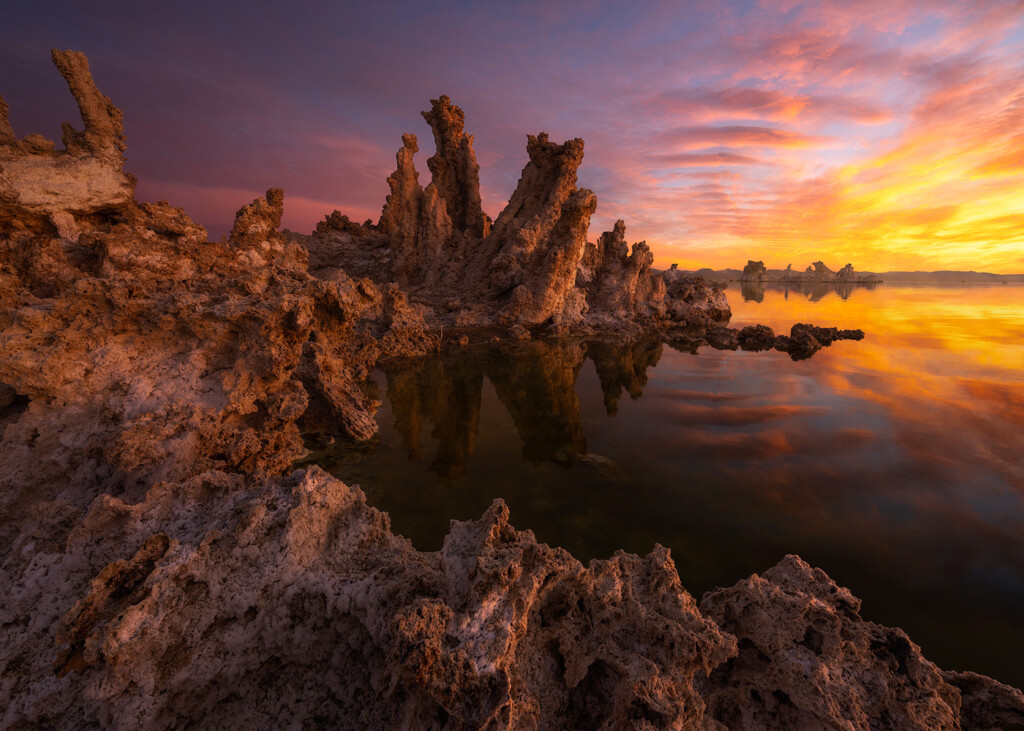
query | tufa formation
[163, 565]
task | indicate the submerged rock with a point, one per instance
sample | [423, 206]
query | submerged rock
[756, 337]
[806, 340]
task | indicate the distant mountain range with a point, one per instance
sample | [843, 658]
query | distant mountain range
[940, 277]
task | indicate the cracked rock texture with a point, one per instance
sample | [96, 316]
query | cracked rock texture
[806, 659]
[164, 567]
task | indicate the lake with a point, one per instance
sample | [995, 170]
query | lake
[894, 463]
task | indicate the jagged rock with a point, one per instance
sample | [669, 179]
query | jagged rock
[693, 300]
[166, 354]
[805, 340]
[38, 183]
[620, 285]
[985, 703]
[754, 271]
[454, 170]
[722, 338]
[336, 221]
[537, 242]
[243, 604]
[416, 222]
[400, 218]
[291, 602]
[532, 267]
[807, 660]
[257, 222]
[756, 337]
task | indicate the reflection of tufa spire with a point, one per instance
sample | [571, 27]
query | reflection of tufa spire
[535, 381]
[623, 366]
[447, 392]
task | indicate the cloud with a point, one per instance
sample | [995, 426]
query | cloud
[739, 136]
[705, 159]
[766, 104]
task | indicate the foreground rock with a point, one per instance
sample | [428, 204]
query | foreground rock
[236, 604]
[806, 659]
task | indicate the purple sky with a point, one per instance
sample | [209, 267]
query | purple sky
[885, 133]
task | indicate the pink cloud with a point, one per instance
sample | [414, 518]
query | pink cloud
[740, 136]
[703, 159]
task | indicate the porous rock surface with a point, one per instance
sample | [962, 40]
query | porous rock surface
[163, 566]
[41, 186]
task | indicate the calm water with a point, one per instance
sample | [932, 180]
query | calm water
[894, 463]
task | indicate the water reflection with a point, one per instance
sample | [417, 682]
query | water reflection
[894, 462]
[813, 291]
[534, 381]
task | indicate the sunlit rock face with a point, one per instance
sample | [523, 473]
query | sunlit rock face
[162, 353]
[40, 184]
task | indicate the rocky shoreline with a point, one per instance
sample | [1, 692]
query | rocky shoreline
[164, 565]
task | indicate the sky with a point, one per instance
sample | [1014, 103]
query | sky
[884, 133]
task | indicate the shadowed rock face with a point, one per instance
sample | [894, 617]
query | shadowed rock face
[806, 659]
[161, 569]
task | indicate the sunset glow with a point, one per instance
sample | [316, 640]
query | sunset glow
[886, 134]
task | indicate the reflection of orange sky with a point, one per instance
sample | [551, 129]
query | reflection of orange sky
[935, 358]
[972, 329]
